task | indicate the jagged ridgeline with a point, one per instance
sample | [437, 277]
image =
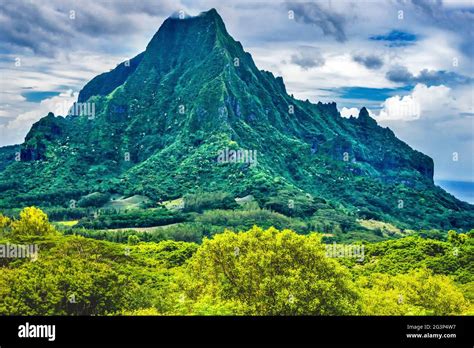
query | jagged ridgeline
[193, 113]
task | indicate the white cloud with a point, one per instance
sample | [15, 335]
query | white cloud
[14, 131]
[345, 112]
[67, 75]
[443, 126]
[400, 108]
[422, 102]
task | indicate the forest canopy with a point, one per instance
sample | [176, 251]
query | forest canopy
[254, 272]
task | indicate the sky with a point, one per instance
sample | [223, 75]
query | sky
[410, 62]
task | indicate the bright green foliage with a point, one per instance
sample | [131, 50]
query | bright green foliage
[65, 286]
[258, 272]
[32, 222]
[206, 224]
[133, 239]
[269, 272]
[5, 221]
[457, 238]
[72, 276]
[417, 292]
[79, 276]
[161, 121]
[168, 253]
[405, 254]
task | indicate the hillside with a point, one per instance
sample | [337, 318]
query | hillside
[166, 123]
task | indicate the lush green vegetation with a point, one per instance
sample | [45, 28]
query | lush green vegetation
[257, 272]
[311, 164]
[133, 218]
[208, 200]
[147, 220]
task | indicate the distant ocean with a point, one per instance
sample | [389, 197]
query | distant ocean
[463, 190]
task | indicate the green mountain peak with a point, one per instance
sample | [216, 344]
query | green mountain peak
[193, 113]
[365, 118]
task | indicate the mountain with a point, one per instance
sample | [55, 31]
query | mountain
[193, 113]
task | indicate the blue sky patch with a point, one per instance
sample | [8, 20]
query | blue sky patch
[396, 36]
[375, 94]
[38, 96]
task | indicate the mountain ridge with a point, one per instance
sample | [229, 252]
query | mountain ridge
[161, 119]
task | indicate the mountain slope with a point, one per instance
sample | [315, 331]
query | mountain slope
[164, 125]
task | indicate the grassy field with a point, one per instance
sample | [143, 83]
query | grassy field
[141, 229]
[121, 203]
[67, 223]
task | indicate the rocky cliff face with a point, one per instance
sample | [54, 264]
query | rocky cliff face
[161, 120]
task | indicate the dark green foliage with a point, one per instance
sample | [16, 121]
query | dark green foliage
[62, 214]
[95, 199]
[199, 226]
[8, 155]
[160, 123]
[133, 218]
[293, 203]
[186, 232]
[208, 200]
[107, 82]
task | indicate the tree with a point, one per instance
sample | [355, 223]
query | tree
[417, 292]
[95, 199]
[456, 238]
[32, 222]
[133, 240]
[78, 276]
[267, 272]
[5, 222]
[72, 285]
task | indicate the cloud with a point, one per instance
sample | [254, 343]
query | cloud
[331, 23]
[433, 120]
[346, 112]
[405, 108]
[308, 57]
[32, 27]
[432, 77]
[46, 28]
[439, 14]
[429, 7]
[400, 74]
[424, 101]
[14, 131]
[370, 61]
[23, 87]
